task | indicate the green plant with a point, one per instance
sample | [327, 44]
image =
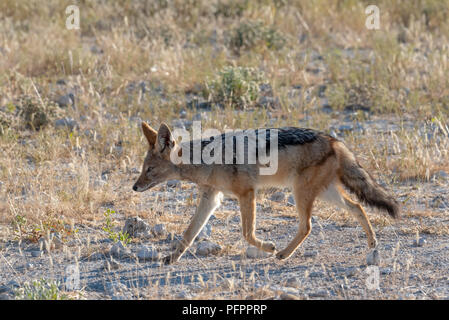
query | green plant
[36, 113]
[109, 229]
[235, 86]
[40, 290]
[249, 35]
[231, 8]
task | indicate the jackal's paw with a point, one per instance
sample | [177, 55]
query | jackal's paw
[269, 247]
[282, 255]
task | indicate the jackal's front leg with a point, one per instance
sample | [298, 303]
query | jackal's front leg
[248, 210]
[209, 201]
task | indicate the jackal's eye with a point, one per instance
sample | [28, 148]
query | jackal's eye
[149, 169]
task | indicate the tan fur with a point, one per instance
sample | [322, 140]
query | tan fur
[315, 169]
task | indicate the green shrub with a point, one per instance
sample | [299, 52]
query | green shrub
[249, 35]
[40, 290]
[231, 8]
[235, 86]
[37, 114]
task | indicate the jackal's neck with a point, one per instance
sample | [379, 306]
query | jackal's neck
[191, 172]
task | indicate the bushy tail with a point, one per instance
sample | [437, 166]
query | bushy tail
[360, 182]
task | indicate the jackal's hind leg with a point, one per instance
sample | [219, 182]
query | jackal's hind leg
[336, 195]
[304, 201]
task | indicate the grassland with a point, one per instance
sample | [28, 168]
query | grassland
[63, 163]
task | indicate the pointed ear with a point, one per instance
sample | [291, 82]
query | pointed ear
[164, 138]
[149, 133]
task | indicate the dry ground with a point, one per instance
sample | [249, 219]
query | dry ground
[71, 103]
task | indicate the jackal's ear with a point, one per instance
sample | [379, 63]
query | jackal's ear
[149, 133]
[165, 138]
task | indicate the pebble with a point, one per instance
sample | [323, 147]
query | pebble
[441, 174]
[351, 272]
[66, 100]
[119, 251]
[135, 227]
[292, 283]
[319, 294]
[66, 122]
[288, 296]
[255, 253]
[385, 271]
[309, 254]
[159, 230]
[206, 248]
[291, 200]
[36, 253]
[277, 196]
[148, 253]
[173, 183]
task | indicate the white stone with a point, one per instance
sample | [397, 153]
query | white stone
[255, 253]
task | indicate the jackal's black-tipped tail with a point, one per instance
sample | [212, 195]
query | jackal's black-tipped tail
[360, 182]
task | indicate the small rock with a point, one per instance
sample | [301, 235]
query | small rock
[206, 248]
[135, 226]
[288, 296]
[319, 294]
[148, 253]
[255, 253]
[4, 289]
[65, 101]
[159, 230]
[441, 174]
[309, 254]
[119, 251]
[351, 272]
[173, 183]
[292, 283]
[13, 284]
[439, 202]
[385, 271]
[291, 200]
[373, 258]
[419, 242]
[68, 123]
[277, 196]
[36, 253]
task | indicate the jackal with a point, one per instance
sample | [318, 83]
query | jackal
[311, 163]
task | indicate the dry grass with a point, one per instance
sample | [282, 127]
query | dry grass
[399, 72]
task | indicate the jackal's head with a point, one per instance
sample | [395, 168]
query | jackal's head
[157, 166]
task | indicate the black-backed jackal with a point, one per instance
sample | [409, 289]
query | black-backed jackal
[311, 163]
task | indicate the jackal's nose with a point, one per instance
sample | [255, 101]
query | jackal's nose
[134, 187]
